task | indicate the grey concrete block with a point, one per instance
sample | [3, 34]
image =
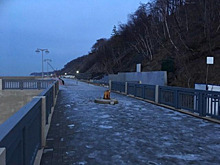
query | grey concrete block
[0, 84]
[152, 78]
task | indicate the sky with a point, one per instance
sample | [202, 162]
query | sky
[67, 28]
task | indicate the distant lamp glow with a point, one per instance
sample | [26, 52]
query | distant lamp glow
[65, 74]
[77, 71]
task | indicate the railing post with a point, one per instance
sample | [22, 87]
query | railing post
[3, 156]
[142, 91]
[38, 85]
[1, 85]
[126, 88]
[176, 98]
[54, 95]
[57, 87]
[135, 90]
[43, 120]
[157, 94]
[110, 84]
[21, 84]
[202, 104]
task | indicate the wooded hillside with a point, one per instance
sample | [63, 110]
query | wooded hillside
[171, 35]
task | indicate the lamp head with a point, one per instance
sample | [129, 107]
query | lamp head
[37, 51]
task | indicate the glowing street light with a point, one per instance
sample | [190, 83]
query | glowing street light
[42, 50]
[77, 72]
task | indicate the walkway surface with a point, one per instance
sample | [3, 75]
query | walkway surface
[132, 132]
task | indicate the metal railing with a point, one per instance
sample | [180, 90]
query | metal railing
[118, 86]
[100, 82]
[25, 84]
[203, 103]
[21, 134]
[149, 92]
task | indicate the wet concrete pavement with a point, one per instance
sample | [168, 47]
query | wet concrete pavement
[132, 132]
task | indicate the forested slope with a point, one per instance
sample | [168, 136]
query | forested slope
[171, 35]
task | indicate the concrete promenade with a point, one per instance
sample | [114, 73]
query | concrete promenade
[132, 132]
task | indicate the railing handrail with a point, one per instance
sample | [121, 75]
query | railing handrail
[189, 90]
[45, 91]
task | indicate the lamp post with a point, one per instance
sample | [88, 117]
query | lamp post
[77, 72]
[47, 61]
[209, 61]
[42, 50]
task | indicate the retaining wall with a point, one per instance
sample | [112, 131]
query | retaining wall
[12, 100]
[151, 78]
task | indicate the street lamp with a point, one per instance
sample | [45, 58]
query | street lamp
[47, 61]
[209, 61]
[42, 50]
[77, 72]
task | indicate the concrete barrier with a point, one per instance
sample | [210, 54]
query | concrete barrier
[0, 84]
[43, 120]
[21, 77]
[12, 100]
[151, 78]
[110, 85]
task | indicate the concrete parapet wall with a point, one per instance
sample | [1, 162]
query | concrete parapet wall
[12, 100]
[152, 78]
[0, 84]
[112, 77]
[20, 77]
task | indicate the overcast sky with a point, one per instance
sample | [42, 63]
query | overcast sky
[68, 28]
